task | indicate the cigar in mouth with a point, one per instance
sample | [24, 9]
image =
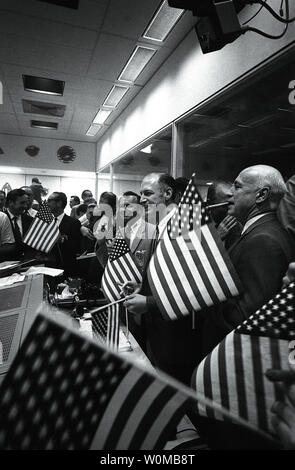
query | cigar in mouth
[220, 204]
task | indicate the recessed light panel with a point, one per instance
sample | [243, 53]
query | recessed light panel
[102, 116]
[43, 85]
[135, 65]
[93, 130]
[115, 96]
[162, 23]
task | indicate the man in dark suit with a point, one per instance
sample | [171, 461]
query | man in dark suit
[260, 256]
[66, 250]
[170, 344]
[16, 205]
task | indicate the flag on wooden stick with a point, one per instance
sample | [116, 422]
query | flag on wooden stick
[106, 326]
[190, 269]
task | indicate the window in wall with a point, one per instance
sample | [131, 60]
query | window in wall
[152, 156]
[253, 123]
[103, 181]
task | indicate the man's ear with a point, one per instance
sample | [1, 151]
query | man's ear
[263, 195]
[168, 193]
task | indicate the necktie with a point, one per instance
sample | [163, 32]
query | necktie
[17, 232]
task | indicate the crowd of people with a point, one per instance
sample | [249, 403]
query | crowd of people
[257, 230]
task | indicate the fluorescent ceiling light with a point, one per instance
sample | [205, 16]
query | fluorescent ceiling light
[136, 63]
[74, 4]
[162, 22]
[290, 129]
[200, 143]
[258, 122]
[102, 116]
[288, 146]
[115, 95]
[93, 130]
[266, 151]
[44, 125]
[10, 169]
[47, 86]
[285, 110]
[147, 149]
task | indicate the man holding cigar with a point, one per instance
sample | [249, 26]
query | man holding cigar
[261, 254]
[228, 227]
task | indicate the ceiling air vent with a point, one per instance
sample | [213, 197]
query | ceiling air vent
[47, 86]
[46, 109]
[44, 125]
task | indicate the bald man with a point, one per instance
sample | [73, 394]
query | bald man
[260, 256]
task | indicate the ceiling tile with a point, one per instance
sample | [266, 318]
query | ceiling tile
[110, 56]
[129, 18]
[28, 52]
[90, 14]
[8, 123]
[47, 31]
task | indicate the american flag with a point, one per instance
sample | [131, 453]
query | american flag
[190, 269]
[120, 268]
[64, 391]
[233, 374]
[43, 232]
[106, 326]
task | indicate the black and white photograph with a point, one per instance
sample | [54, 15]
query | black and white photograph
[147, 228]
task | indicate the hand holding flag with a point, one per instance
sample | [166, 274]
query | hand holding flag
[120, 268]
[43, 232]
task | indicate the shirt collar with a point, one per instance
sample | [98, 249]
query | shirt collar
[11, 215]
[252, 221]
[59, 218]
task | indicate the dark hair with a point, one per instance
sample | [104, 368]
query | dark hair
[81, 209]
[85, 191]
[212, 190]
[61, 197]
[165, 181]
[3, 192]
[13, 195]
[76, 199]
[36, 180]
[92, 200]
[181, 184]
[131, 193]
[110, 199]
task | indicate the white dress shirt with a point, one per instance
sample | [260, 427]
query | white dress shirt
[18, 221]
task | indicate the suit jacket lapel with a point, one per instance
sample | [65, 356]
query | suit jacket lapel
[265, 218]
